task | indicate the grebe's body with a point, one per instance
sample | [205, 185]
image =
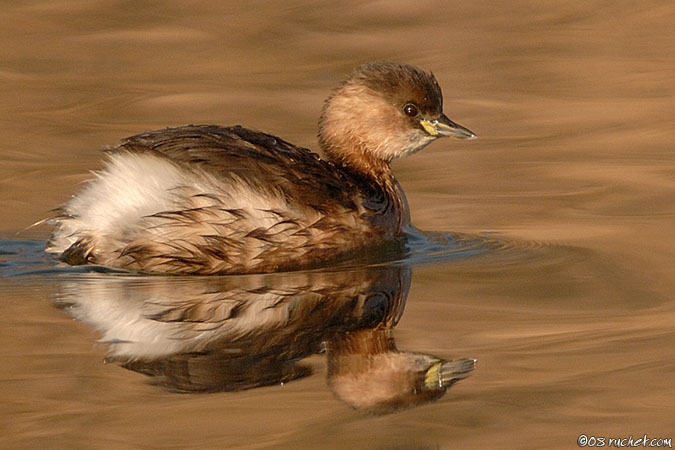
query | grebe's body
[210, 200]
[206, 199]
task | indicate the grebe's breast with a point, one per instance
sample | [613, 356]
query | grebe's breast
[208, 199]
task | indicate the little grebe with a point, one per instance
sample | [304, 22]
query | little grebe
[212, 200]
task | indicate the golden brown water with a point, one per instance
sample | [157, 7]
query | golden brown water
[569, 313]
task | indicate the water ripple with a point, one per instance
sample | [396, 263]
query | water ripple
[20, 258]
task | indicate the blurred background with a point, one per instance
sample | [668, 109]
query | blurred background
[573, 103]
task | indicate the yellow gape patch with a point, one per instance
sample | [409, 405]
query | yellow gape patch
[429, 127]
[432, 379]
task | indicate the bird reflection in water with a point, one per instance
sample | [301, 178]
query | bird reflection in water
[209, 334]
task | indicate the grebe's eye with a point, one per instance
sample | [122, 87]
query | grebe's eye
[410, 110]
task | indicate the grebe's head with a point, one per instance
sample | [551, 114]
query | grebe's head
[384, 111]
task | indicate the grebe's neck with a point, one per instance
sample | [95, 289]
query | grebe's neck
[383, 194]
[360, 161]
[360, 132]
